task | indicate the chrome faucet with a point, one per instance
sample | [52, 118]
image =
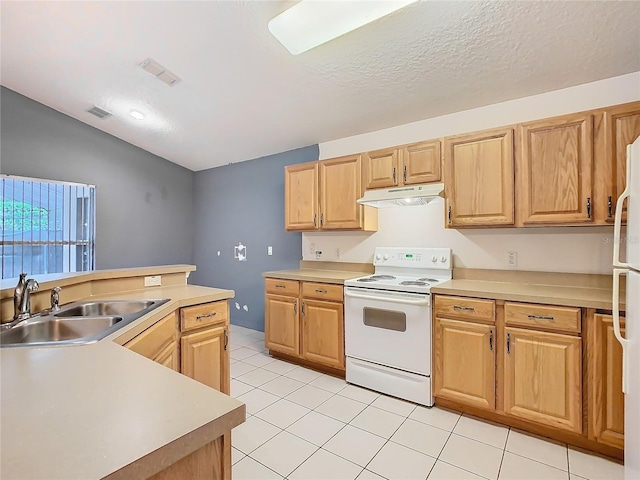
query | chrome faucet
[22, 297]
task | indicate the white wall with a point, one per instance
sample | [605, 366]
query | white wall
[559, 249]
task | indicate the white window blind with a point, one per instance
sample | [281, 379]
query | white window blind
[46, 226]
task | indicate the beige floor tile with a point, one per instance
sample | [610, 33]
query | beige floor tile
[476, 457]
[357, 446]
[308, 396]
[329, 383]
[359, 394]
[444, 471]
[249, 469]
[341, 408]
[396, 462]
[280, 367]
[515, 467]
[394, 405]
[284, 453]
[326, 466]
[303, 374]
[282, 386]
[538, 448]
[378, 421]
[283, 413]
[239, 368]
[369, 475]
[254, 432]
[419, 436]
[593, 467]
[238, 388]
[242, 353]
[257, 377]
[436, 417]
[257, 399]
[259, 360]
[316, 428]
[483, 431]
[236, 455]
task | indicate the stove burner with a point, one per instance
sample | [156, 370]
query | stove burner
[367, 279]
[383, 277]
[427, 280]
[412, 282]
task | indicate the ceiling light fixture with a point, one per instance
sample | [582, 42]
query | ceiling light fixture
[310, 23]
[137, 115]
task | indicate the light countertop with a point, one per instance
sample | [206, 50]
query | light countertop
[314, 275]
[89, 411]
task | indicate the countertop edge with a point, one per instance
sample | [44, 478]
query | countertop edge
[336, 277]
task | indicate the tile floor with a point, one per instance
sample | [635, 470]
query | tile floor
[302, 424]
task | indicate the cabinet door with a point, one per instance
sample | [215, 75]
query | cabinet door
[421, 163]
[282, 329]
[621, 128]
[464, 359]
[555, 171]
[155, 339]
[205, 357]
[169, 357]
[323, 332]
[478, 177]
[381, 168]
[543, 378]
[301, 197]
[606, 400]
[340, 187]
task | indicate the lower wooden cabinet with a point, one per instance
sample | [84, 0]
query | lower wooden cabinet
[282, 324]
[543, 378]
[465, 362]
[204, 357]
[606, 400]
[305, 320]
[323, 332]
[169, 357]
[159, 342]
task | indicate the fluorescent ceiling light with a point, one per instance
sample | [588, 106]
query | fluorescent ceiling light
[310, 23]
[137, 115]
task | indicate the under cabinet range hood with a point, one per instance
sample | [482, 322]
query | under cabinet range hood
[402, 196]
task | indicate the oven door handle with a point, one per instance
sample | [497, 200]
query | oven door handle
[347, 293]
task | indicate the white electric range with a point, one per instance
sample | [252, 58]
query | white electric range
[388, 321]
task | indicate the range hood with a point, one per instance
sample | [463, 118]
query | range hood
[402, 196]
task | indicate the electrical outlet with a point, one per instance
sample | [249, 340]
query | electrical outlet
[269, 250]
[318, 254]
[153, 281]
[512, 259]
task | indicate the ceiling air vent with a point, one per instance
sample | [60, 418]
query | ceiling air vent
[98, 112]
[161, 73]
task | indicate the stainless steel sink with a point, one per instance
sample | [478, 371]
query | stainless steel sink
[79, 322]
[113, 307]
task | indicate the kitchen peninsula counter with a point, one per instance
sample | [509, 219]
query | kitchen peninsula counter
[102, 411]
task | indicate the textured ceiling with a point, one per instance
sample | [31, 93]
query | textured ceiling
[243, 95]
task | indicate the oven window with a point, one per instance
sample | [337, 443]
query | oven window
[387, 319]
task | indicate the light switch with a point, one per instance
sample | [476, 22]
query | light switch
[269, 250]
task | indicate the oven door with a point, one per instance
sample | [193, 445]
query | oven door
[388, 328]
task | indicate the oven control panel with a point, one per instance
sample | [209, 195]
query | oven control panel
[431, 258]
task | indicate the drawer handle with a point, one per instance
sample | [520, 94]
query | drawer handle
[226, 339]
[281, 286]
[320, 291]
[540, 317]
[208, 315]
[469, 309]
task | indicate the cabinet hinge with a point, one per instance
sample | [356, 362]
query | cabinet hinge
[508, 343]
[404, 173]
[588, 207]
[491, 340]
[610, 204]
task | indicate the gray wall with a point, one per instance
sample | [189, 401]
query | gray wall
[144, 202]
[244, 202]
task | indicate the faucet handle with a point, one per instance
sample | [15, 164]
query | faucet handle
[55, 299]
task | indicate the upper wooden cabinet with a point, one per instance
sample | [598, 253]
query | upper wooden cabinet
[555, 171]
[301, 196]
[407, 165]
[478, 177]
[615, 128]
[322, 196]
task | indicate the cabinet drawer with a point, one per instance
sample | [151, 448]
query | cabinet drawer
[323, 291]
[282, 287]
[562, 319]
[154, 339]
[202, 315]
[465, 308]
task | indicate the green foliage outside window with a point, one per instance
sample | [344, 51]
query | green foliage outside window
[23, 217]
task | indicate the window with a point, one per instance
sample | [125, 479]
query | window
[46, 226]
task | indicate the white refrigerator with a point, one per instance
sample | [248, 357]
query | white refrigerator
[631, 344]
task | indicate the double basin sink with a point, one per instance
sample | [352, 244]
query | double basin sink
[79, 322]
